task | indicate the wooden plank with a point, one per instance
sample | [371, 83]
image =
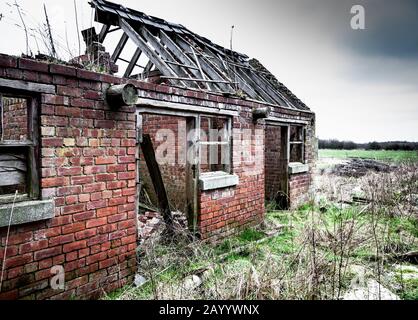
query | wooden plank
[11, 178]
[267, 87]
[206, 65]
[196, 164]
[34, 151]
[27, 86]
[152, 55]
[199, 66]
[256, 86]
[180, 107]
[200, 80]
[179, 71]
[243, 85]
[132, 63]
[103, 33]
[190, 173]
[270, 87]
[148, 67]
[12, 169]
[118, 50]
[181, 65]
[180, 55]
[157, 180]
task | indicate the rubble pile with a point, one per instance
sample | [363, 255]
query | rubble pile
[152, 223]
[357, 168]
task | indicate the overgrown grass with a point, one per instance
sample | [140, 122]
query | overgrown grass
[309, 253]
[382, 155]
[279, 268]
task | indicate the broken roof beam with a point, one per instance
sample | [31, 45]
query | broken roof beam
[164, 54]
[118, 50]
[207, 66]
[151, 54]
[132, 63]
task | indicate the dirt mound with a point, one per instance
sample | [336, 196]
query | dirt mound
[357, 167]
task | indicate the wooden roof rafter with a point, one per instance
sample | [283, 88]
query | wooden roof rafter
[188, 60]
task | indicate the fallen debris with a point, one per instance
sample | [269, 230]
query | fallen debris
[371, 290]
[357, 167]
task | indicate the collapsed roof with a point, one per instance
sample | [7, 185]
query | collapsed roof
[185, 59]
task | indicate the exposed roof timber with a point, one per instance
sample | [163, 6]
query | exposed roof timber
[175, 49]
[264, 86]
[243, 85]
[121, 44]
[192, 61]
[200, 80]
[109, 13]
[103, 33]
[148, 67]
[208, 67]
[159, 63]
[132, 63]
[165, 54]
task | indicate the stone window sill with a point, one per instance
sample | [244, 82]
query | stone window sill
[217, 180]
[26, 212]
[297, 167]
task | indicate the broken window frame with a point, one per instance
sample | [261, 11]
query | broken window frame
[227, 141]
[30, 145]
[299, 143]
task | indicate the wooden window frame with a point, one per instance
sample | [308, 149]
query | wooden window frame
[31, 145]
[227, 167]
[301, 142]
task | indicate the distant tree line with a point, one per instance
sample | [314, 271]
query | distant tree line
[350, 145]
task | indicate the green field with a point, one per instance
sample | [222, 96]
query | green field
[384, 155]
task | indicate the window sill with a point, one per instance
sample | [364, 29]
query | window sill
[297, 167]
[217, 180]
[26, 212]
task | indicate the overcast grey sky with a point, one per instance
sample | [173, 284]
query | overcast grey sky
[362, 84]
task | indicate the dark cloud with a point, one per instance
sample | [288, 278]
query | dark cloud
[391, 30]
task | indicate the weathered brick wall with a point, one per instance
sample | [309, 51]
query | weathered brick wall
[88, 168]
[169, 147]
[273, 153]
[300, 185]
[227, 211]
[15, 119]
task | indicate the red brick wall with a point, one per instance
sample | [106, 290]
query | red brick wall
[15, 119]
[88, 168]
[300, 185]
[173, 168]
[273, 153]
[227, 211]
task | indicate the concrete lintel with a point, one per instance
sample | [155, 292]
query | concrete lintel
[217, 180]
[25, 212]
[297, 167]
